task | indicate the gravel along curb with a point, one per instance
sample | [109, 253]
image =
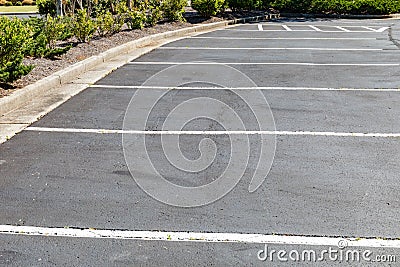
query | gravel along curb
[300, 15]
[26, 105]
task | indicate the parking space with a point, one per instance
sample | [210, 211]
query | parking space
[333, 90]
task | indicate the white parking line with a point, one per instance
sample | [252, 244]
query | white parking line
[280, 38]
[277, 88]
[322, 31]
[260, 27]
[342, 242]
[368, 28]
[268, 48]
[265, 63]
[342, 29]
[315, 28]
[140, 132]
[287, 28]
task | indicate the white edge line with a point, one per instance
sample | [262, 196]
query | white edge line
[264, 63]
[198, 237]
[268, 48]
[260, 27]
[172, 132]
[348, 31]
[281, 38]
[247, 88]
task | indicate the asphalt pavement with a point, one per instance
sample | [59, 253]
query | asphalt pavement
[321, 95]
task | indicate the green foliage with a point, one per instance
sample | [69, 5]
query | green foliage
[14, 38]
[154, 13]
[136, 19]
[105, 23]
[45, 33]
[208, 8]
[173, 9]
[47, 7]
[237, 5]
[338, 6]
[83, 26]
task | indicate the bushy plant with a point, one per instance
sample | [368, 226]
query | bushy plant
[45, 33]
[47, 7]
[337, 6]
[237, 5]
[208, 8]
[121, 15]
[154, 13]
[83, 26]
[14, 37]
[105, 23]
[136, 19]
[173, 9]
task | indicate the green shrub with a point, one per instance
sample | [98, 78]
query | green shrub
[18, 4]
[338, 6]
[47, 7]
[45, 33]
[136, 19]
[173, 9]
[8, 3]
[237, 5]
[14, 37]
[120, 17]
[208, 8]
[154, 13]
[105, 23]
[83, 26]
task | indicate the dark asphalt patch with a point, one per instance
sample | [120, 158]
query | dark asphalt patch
[279, 56]
[27, 251]
[330, 111]
[375, 77]
[317, 186]
[238, 43]
[236, 32]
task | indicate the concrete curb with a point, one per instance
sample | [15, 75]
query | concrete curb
[301, 15]
[20, 97]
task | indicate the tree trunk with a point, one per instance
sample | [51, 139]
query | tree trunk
[59, 6]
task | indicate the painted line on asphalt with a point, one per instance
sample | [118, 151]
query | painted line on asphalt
[264, 63]
[315, 28]
[322, 31]
[282, 38]
[246, 88]
[341, 242]
[368, 28]
[287, 28]
[162, 132]
[342, 29]
[268, 48]
[260, 27]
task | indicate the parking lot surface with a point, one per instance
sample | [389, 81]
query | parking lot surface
[332, 88]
